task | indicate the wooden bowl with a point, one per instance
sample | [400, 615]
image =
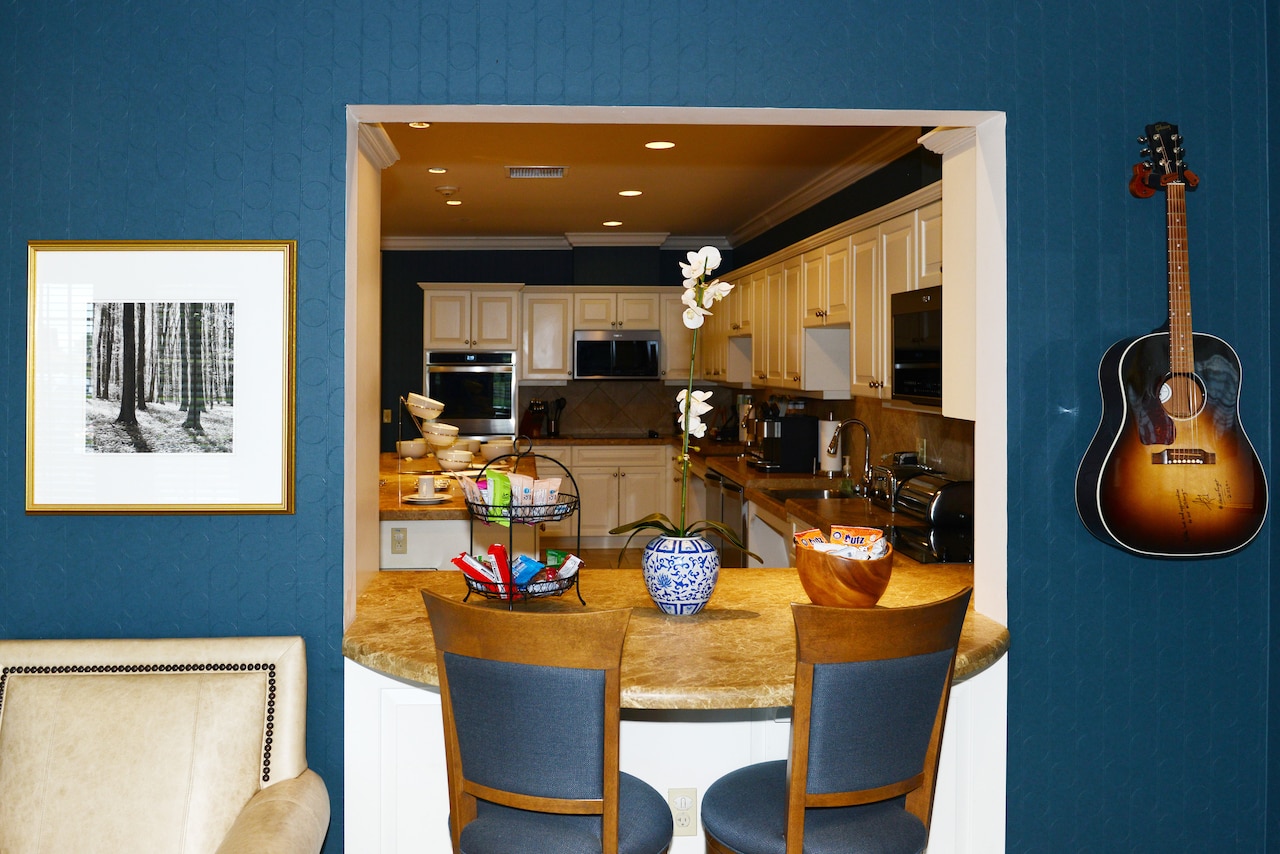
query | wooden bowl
[843, 582]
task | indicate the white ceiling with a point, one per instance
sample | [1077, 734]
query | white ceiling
[721, 183]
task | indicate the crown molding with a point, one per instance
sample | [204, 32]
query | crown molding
[946, 140]
[613, 238]
[681, 242]
[436, 244]
[880, 152]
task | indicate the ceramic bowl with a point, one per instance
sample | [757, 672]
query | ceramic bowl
[423, 406]
[493, 450]
[412, 449]
[454, 455]
[843, 582]
[453, 465]
[472, 445]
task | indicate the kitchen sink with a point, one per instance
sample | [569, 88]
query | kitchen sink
[781, 495]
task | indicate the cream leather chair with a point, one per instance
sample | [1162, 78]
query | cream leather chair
[183, 746]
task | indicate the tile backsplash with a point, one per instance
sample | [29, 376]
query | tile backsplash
[632, 408]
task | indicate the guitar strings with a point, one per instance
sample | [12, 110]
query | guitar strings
[1181, 351]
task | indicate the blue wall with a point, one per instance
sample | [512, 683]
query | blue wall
[1139, 714]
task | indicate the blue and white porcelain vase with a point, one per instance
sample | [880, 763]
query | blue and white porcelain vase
[680, 573]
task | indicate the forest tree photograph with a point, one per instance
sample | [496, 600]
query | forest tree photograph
[160, 377]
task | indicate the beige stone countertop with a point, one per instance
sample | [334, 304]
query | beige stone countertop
[738, 653]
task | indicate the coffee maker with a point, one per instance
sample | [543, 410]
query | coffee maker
[786, 443]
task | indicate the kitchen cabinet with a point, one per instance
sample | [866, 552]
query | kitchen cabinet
[766, 336]
[869, 345]
[546, 352]
[568, 526]
[826, 285]
[616, 311]
[929, 244]
[742, 304]
[618, 483]
[899, 266]
[787, 328]
[677, 339]
[471, 318]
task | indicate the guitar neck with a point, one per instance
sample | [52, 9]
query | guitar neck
[1181, 356]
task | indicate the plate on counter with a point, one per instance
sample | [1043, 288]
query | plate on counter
[430, 499]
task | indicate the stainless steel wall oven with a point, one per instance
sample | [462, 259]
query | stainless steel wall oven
[477, 388]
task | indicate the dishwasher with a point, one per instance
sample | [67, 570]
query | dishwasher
[725, 504]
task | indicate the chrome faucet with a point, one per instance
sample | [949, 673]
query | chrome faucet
[864, 486]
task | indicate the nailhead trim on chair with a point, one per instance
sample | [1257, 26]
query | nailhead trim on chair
[167, 668]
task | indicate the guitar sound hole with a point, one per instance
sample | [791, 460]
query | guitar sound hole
[1182, 395]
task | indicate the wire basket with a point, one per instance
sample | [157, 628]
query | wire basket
[520, 592]
[564, 505]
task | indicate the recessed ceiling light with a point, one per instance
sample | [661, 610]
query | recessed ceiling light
[630, 193]
[437, 170]
[658, 145]
[613, 223]
[454, 202]
[419, 125]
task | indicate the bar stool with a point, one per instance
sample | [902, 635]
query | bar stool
[531, 725]
[871, 693]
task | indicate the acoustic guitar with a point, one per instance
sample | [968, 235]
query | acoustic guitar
[1170, 472]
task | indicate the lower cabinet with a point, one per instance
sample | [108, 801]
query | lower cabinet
[619, 484]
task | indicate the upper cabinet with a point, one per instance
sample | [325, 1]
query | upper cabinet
[616, 311]
[826, 285]
[471, 317]
[546, 353]
[929, 244]
[677, 339]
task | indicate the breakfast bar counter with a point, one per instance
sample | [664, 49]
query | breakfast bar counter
[739, 653]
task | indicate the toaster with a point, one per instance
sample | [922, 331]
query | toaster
[939, 501]
[886, 481]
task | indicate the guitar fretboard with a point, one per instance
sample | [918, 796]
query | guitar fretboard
[1181, 354]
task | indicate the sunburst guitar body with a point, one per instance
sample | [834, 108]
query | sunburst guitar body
[1170, 472]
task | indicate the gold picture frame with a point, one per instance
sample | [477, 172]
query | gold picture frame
[134, 401]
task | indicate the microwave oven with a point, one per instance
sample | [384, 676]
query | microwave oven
[616, 354]
[917, 346]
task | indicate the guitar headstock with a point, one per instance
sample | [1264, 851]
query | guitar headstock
[1162, 148]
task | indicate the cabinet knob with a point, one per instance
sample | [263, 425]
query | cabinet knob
[615, 474]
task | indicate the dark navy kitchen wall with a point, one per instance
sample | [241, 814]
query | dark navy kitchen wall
[1139, 715]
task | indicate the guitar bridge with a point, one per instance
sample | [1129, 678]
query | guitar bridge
[1183, 457]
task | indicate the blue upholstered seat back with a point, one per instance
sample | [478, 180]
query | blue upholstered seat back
[871, 720]
[527, 728]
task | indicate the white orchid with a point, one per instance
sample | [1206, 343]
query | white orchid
[714, 292]
[699, 405]
[700, 264]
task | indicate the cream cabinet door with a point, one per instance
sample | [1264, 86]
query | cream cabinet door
[869, 321]
[677, 339]
[789, 325]
[815, 288]
[835, 257]
[899, 265]
[563, 454]
[642, 490]
[547, 348]
[446, 320]
[495, 321]
[594, 311]
[638, 311]
[929, 243]
[598, 491]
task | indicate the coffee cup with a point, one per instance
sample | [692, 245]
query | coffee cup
[426, 486]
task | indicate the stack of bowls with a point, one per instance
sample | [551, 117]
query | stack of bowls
[439, 434]
[454, 459]
[472, 445]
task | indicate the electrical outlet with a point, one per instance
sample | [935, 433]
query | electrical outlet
[399, 541]
[684, 810]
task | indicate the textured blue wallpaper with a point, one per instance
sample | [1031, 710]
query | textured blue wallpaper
[1139, 689]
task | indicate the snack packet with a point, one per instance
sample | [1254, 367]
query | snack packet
[499, 497]
[524, 568]
[521, 489]
[855, 535]
[810, 537]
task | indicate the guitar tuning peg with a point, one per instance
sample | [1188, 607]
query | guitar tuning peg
[1143, 140]
[1144, 153]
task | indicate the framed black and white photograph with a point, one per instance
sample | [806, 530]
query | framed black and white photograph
[160, 377]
